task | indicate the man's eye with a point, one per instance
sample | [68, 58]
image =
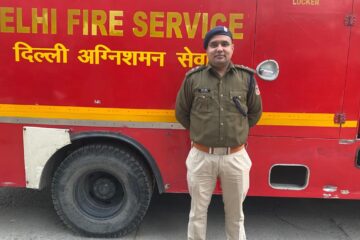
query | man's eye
[225, 44]
[214, 44]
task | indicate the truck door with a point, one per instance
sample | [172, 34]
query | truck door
[352, 96]
[310, 41]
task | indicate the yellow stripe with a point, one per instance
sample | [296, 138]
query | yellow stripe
[302, 120]
[157, 115]
[87, 113]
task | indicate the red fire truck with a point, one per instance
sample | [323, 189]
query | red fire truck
[87, 94]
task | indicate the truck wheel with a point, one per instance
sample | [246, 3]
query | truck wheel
[101, 191]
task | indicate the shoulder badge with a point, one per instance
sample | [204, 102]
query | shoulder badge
[257, 90]
[195, 69]
[245, 68]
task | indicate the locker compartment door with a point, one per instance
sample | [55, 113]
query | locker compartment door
[311, 43]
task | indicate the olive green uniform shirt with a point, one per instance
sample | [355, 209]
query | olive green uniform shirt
[205, 105]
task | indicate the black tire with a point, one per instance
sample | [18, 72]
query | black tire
[101, 191]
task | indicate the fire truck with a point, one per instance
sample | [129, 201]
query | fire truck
[88, 88]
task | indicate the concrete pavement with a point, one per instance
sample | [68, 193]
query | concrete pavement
[28, 214]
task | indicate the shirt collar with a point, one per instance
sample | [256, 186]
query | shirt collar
[231, 67]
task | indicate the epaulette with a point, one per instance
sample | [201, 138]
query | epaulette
[245, 68]
[252, 84]
[195, 69]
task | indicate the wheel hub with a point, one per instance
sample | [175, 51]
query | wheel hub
[104, 188]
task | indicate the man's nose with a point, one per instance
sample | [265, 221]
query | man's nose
[219, 48]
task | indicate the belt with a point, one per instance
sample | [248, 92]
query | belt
[217, 150]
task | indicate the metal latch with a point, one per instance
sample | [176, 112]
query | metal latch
[339, 118]
[349, 20]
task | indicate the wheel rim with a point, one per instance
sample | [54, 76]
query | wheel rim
[100, 195]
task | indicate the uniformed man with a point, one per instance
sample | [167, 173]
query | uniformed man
[218, 103]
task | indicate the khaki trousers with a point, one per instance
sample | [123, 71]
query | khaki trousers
[203, 170]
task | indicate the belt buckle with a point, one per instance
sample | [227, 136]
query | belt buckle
[219, 151]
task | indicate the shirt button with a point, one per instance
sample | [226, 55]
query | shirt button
[221, 138]
[221, 95]
[221, 124]
[221, 109]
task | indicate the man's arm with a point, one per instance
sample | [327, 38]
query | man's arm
[254, 102]
[184, 103]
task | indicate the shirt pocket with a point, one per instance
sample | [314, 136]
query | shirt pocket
[203, 102]
[241, 96]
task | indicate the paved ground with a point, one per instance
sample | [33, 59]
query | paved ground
[28, 214]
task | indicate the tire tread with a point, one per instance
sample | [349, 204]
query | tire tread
[124, 155]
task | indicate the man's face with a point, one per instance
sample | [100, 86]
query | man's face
[220, 50]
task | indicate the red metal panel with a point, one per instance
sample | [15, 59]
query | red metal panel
[352, 97]
[310, 42]
[329, 163]
[79, 84]
[12, 170]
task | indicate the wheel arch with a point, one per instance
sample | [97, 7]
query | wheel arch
[84, 138]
